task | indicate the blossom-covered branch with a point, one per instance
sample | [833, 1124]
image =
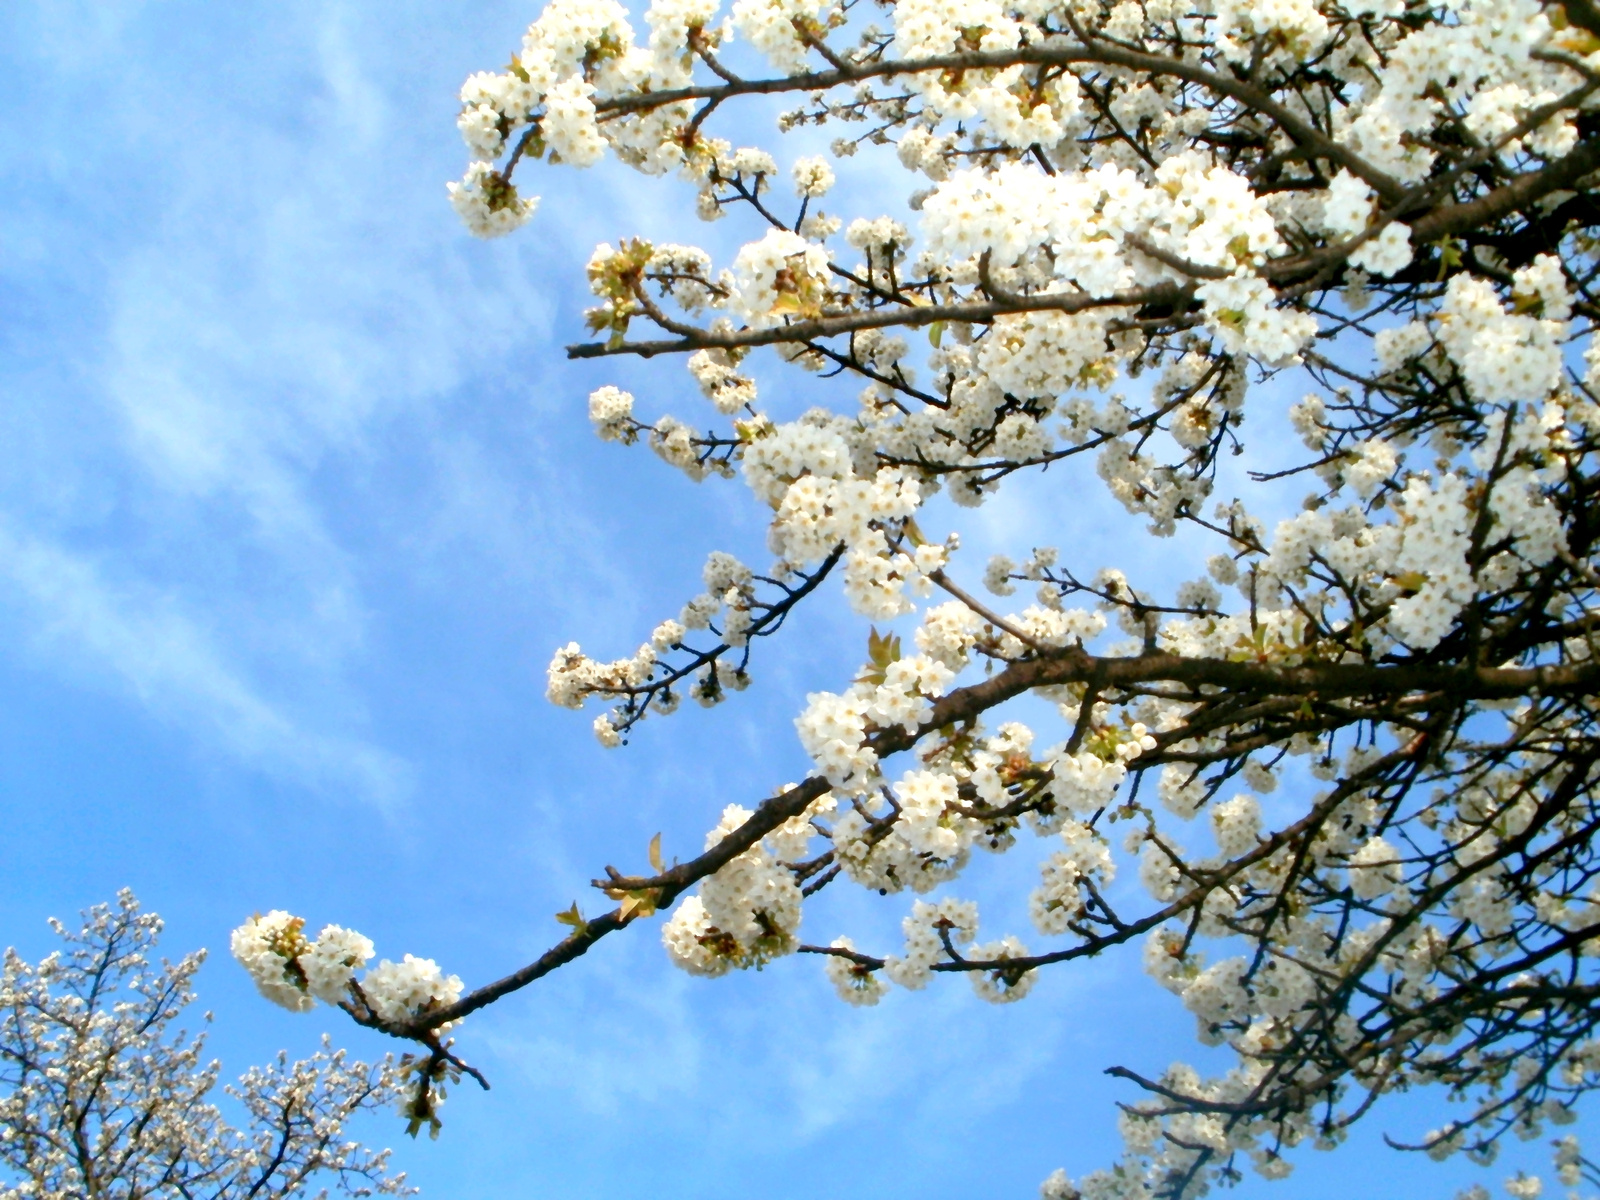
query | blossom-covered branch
[1128, 226]
[98, 1097]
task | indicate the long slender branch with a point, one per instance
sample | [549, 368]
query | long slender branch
[976, 312]
[1051, 51]
[1066, 666]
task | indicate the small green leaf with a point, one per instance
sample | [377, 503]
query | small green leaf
[655, 854]
[573, 917]
[641, 903]
[882, 649]
[1449, 255]
[936, 333]
[1412, 581]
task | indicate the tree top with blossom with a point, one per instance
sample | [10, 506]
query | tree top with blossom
[101, 1098]
[1353, 764]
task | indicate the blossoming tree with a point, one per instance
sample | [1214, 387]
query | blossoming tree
[100, 1100]
[1127, 224]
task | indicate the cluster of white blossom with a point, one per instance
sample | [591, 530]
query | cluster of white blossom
[1479, 62]
[777, 276]
[775, 27]
[931, 931]
[1505, 356]
[727, 606]
[834, 728]
[748, 911]
[487, 204]
[855, 984]
[292, 971]
[1059, 899]
[1089, 232]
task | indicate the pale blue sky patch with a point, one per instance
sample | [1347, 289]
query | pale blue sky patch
[142, 643]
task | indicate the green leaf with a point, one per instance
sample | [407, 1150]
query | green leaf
[655, 854]
[882, 649]
[936, 333]
[641, 903]
[573, 917]
[1412, 581]
[1449, 255]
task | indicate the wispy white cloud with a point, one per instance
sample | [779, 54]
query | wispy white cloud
[144, 644]
[776, 1051]
[280, 301]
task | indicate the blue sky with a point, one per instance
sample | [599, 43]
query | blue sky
[298, 496]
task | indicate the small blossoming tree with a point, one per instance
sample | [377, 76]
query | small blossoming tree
[1353, 763]
[101, 1100]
